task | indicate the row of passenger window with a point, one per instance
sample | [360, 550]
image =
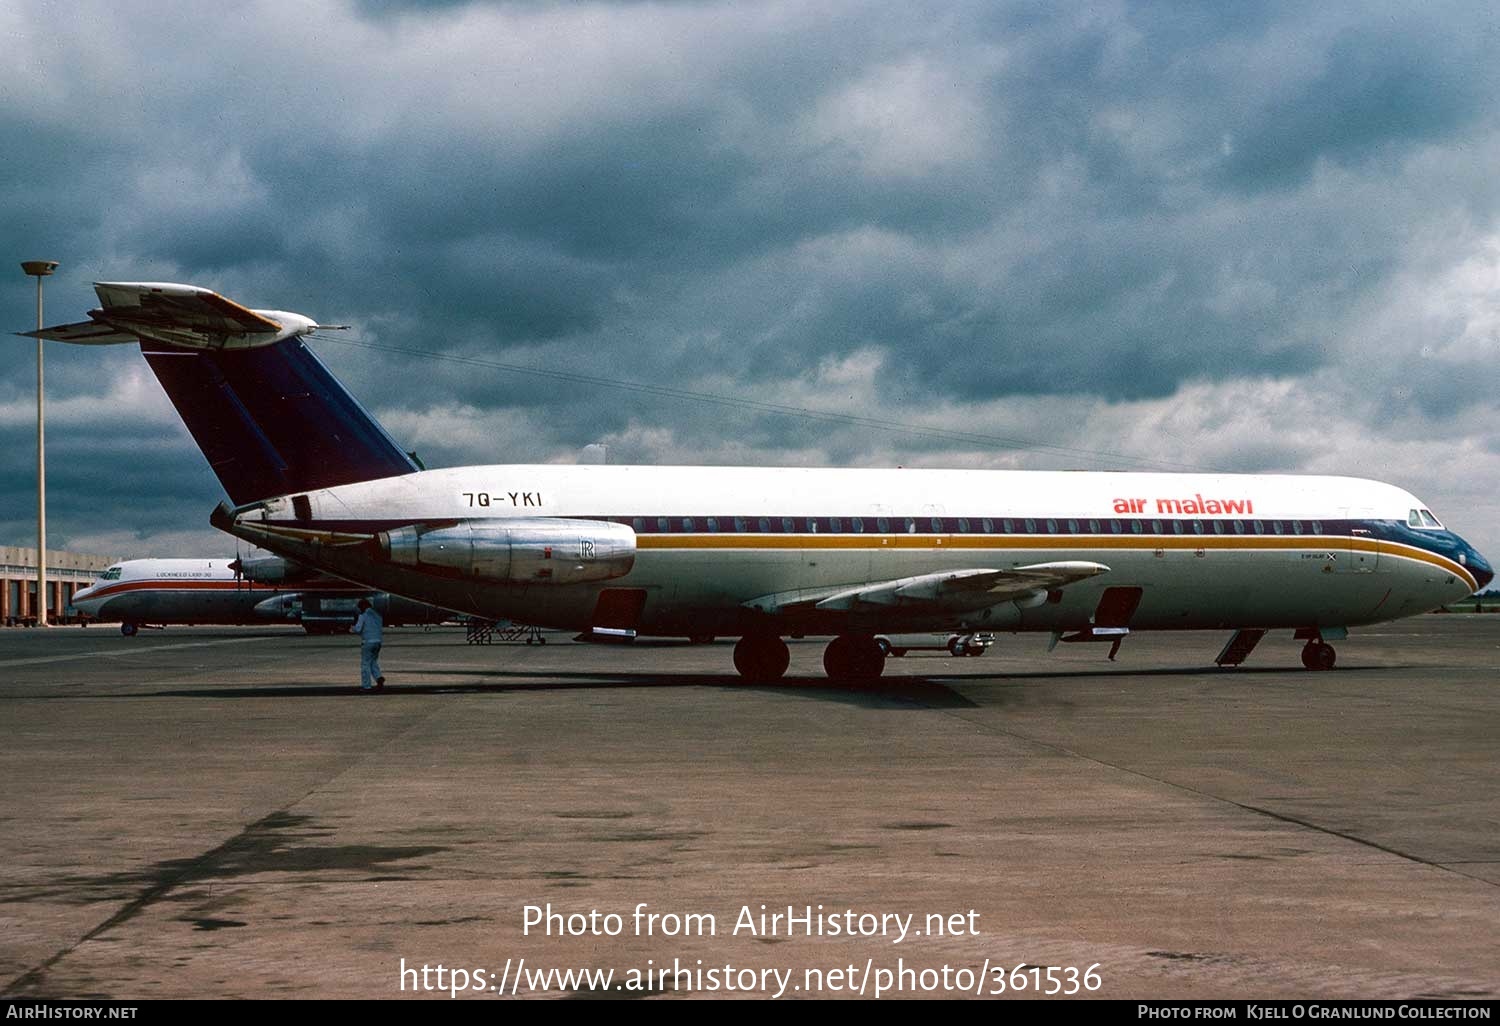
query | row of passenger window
[979, 525]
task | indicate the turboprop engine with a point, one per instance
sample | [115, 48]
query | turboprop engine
[270, 569]
[528, 550]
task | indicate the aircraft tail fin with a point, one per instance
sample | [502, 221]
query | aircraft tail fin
[269, 416]
[274, 420]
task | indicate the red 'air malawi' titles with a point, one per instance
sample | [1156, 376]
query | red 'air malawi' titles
[1193, 505]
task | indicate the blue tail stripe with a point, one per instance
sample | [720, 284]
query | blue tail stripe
[274, 420]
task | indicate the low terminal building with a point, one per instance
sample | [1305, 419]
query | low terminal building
[67, 572]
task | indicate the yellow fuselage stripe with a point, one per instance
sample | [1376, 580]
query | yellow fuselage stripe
[1146, 543]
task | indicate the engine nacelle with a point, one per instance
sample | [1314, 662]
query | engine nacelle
[533, 550]
[268, 569]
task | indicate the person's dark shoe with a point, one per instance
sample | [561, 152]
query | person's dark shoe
[380, 682]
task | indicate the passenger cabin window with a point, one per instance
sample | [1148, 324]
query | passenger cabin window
[835, 525]
[857, 525]
[788, 525]
[662, 525]
[963, 525]
[687, 525]
[883, 525]
[638, 524]
[713, 524]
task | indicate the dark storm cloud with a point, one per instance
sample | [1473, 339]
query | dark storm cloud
[387, 8]
[956, 207]
[1380, 86]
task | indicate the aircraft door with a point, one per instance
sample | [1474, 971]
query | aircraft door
[1361, 550]
[1117, 606]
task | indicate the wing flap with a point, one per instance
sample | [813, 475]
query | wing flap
[947, 590]
[964, 589]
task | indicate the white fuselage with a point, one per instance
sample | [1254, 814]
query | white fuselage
[209, 591]
[159, 591]
[1205, 551]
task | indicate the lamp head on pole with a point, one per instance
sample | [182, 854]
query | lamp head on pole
[38, 268]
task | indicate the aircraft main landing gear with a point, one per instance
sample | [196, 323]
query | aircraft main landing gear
[128, 629]
[854, 657]
[761, 657]
[1318, 655]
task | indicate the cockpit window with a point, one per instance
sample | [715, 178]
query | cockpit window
[112, 574]
[1428, 520]
[1422, 518]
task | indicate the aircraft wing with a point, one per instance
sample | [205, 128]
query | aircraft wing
[947, 590]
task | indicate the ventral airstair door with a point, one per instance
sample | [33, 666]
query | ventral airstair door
[1117, 606]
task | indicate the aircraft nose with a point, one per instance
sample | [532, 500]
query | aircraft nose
[1478, 567]
[1482, 571]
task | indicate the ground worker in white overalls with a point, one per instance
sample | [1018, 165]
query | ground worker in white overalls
[369, 627]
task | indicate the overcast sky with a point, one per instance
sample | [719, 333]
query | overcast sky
[1241, 237]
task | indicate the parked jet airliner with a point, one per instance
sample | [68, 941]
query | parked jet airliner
[157, 592]
[762, 553]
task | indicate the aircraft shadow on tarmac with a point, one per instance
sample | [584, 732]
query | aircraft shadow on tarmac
[898, 692]
[895, 692]
[281, 842]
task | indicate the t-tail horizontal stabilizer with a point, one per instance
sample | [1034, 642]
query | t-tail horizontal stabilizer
[270, 418]
[177, 315]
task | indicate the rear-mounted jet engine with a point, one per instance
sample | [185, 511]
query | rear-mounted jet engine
[549, 550]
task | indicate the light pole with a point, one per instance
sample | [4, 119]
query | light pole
[39, 269]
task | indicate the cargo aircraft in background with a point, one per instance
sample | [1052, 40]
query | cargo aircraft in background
[267, 590]
[763, 553]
